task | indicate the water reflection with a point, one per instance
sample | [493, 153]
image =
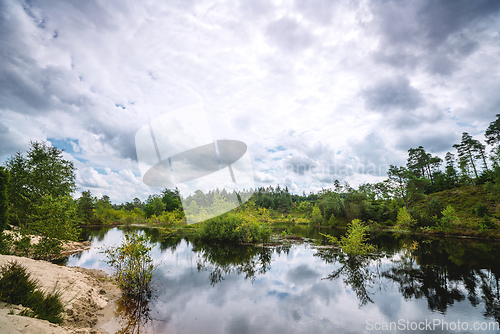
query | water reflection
[300, 289]
[221, 260]
[133, 315]
[447, 272]
[355, 272]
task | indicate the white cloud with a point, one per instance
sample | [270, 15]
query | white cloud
[290, 75]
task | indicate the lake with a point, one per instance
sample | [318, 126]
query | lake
[412, 283]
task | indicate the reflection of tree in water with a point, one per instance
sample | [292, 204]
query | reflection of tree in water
[437, 271]
[134, 315]
[355, 272]
[223, 259]
[93, 233]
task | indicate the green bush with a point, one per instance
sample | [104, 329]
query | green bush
[434, 207]
[405, 220]
[47, 249]
[354, 243]
[316, 216]
[17, 287]
[132, 265]
[55, 217]
[449, 218]
[481, 210]
[231, 227]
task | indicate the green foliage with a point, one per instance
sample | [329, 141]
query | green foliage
[405, 220]
[132, 265]
[354, 243]
[278, 199]
[55, 217]
[22, 246]
[47, 248]
[232, 227]
[154, 206]
[487, 224]
[402, 183]
[42, 172]
[205, 207]
[86, 208]
[171, 199]
[481, 210]
[305, 208]
[449, 218]
[434, 208]
[4, 201]
[316, 216]
[492, 134]
[17, 287]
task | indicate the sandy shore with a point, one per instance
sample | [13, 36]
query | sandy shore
[87, 296]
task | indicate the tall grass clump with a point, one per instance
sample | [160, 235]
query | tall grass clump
[17, 287]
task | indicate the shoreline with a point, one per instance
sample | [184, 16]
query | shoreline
[87, 294]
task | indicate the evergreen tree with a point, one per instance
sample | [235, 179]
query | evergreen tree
[468, 152]
[86, 206]
[492, 133]
[4, 201]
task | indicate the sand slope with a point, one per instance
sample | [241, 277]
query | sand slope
[85, 294]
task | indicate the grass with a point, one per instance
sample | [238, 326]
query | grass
[464, 200]
[17, 287]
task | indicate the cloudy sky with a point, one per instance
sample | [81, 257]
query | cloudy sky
[319, 90]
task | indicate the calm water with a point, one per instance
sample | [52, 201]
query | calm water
[303, 289]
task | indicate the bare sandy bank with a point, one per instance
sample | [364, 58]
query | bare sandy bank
[87, 296]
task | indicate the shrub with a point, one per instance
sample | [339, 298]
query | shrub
[231, 227]
[56, 217]
[481, 210]
[132, 265]
[316, 216]
[434, 207]
[405, 220]
[17, 287]
[15, 284]
[354, 243]
[47, 249]
[449, 218]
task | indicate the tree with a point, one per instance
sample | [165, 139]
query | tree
[469, 150]
[450, 172]
[55, 218]
[155, 206]
[138, 204]
[492, 134]
[316, 216]
[480, 153]
[171, 199]
[86, 206]
[404, 184]
[42, 172]
[423, 164]
[4, 200]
